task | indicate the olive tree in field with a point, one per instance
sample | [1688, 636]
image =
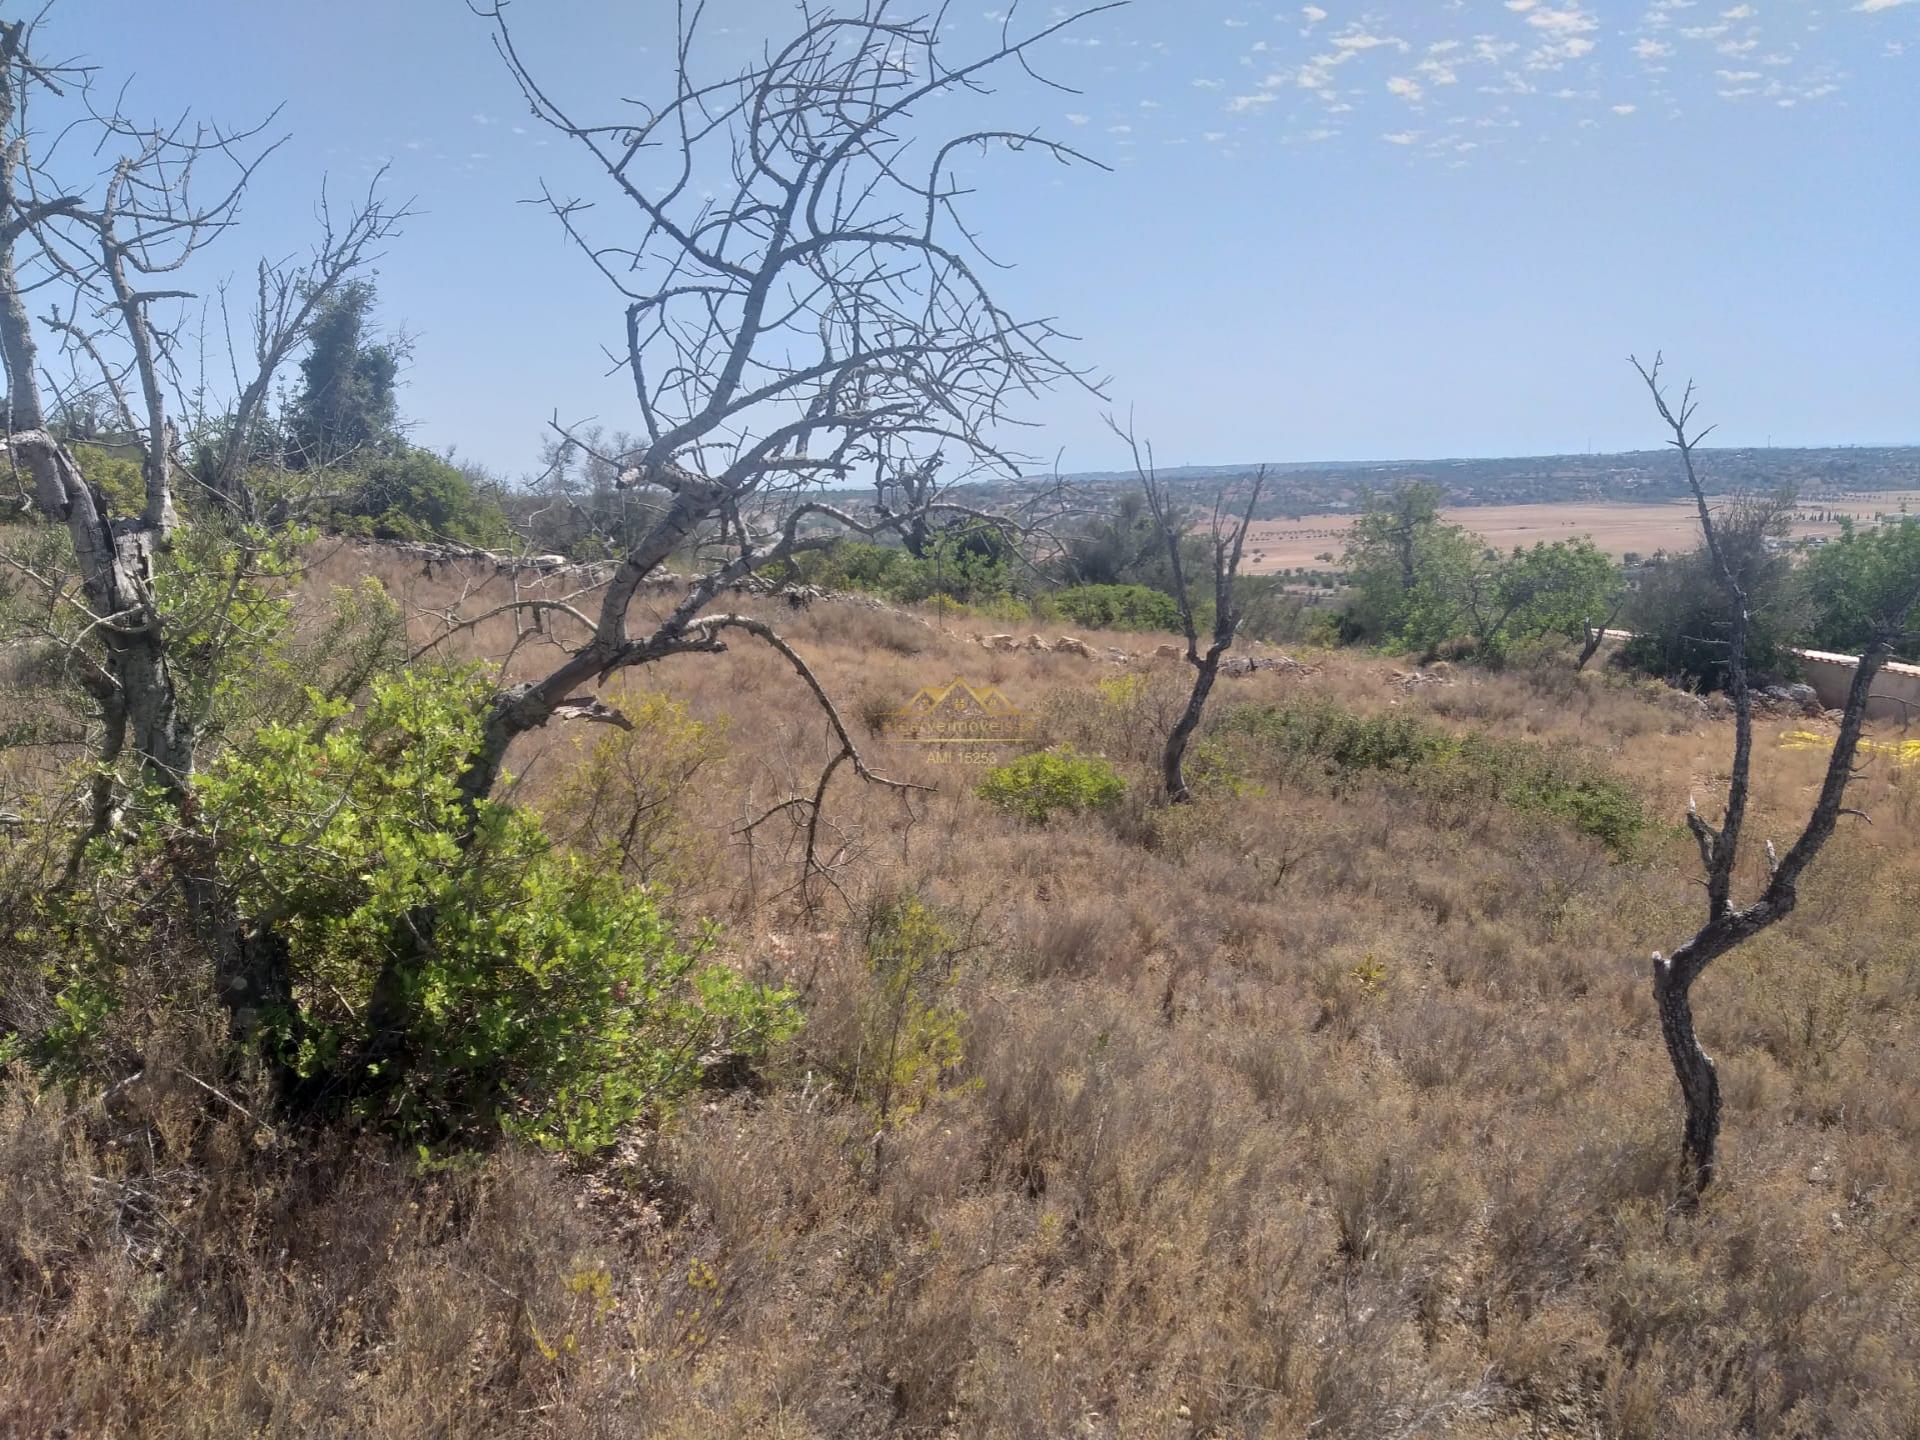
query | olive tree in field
[100, 216]
[1226, 542]
[1888, 583]
[804, 308]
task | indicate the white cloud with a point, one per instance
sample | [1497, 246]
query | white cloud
[1357, 40]
[1313, 13]
[1553, 56]
[1402, 137]
[1074, 119]
[1404, 87]
[1571, 21]
[1625, 109]
[1874, 7]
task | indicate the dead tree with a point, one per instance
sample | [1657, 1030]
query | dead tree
[1594, 636]
[1895, 608]
[1227, 541]
[108, 246]
[803, 303]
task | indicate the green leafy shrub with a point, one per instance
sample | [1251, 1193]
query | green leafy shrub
[545, 998]
[910, 1028]
[1555, 781]
[415, 495]
[1118, 607]
[228, 599]
[968, 567]
[1036, 785]
[1345, 739]
[120, 478]
[1851, 583]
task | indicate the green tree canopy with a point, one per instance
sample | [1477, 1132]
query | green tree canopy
[1851, 584]
[1556, 588]
[346, 405]
[1679, 613]
[1410, 570]
[413, 494]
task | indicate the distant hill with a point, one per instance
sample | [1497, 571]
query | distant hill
[1311, 487]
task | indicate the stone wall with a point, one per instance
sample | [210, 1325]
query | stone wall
[1896, 693]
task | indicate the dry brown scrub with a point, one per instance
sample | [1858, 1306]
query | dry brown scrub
[1312, 1109]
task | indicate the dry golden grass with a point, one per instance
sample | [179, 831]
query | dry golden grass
[1311, 1109]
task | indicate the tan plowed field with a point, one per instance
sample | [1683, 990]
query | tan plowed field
[1617, 529]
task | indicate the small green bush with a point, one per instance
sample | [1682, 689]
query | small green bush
[910, 1026]
[966, 568]
[413, 494]
[1036, 785]
[120, 477]
[1545, 780]
[1118, 607]
[550, 998]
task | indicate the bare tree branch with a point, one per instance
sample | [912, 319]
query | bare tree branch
[1728, 925]
[822, 315]
[1227, 537]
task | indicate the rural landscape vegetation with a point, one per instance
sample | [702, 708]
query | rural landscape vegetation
[798, 918]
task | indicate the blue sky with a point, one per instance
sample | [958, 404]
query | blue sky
[1331, 231]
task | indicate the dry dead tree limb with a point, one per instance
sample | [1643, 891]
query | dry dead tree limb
[1593, 636]
[1727, 925]
[1228, 537]
[825, 314]
[106, 246]
[288, 298]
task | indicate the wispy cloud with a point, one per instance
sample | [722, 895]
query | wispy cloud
[1521, 68]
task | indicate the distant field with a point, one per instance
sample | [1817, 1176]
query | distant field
[1617, 529]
